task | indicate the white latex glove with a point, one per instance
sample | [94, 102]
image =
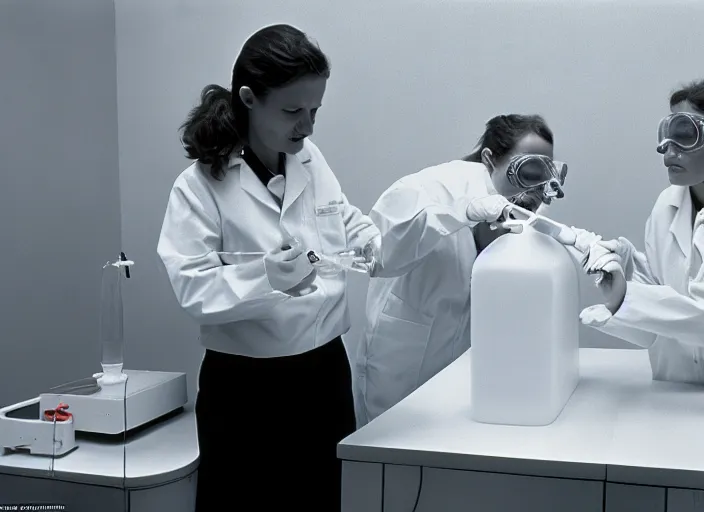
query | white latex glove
[595, 316]
[612, 284]
[625, 249]
[371, 253]
[595, 255]
[287, 266]
[621, 246]
[487, 209]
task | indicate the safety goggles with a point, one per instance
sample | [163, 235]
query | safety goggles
[534, 171]
[683, 130]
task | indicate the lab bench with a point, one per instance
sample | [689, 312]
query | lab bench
[154, 469]
[623, 443]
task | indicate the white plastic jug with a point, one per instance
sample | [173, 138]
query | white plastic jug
[524, 329]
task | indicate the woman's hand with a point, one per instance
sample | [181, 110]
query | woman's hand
[612, 283]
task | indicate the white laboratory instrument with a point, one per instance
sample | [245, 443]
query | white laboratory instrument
[112, 402]
[525, 328]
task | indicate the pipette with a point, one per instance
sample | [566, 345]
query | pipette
[516, 217]
[343, 260]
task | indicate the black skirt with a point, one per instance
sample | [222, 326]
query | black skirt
[268, 430]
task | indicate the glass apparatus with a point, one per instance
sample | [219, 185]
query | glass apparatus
[112, 338]
[329, 265]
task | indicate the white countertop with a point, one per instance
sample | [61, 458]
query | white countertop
[162, 453]
[619, 426]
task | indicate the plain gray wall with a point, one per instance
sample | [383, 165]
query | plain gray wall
[59, 197]
[412, 85]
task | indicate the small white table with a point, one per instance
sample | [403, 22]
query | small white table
[623, 443]
[155, 470]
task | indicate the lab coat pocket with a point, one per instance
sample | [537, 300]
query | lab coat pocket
[331, 228]
[395, 354]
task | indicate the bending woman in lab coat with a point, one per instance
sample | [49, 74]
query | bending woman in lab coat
[433, 225]
[655, 299]
[275, 390]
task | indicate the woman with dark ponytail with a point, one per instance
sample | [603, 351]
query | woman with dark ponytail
[275, 393]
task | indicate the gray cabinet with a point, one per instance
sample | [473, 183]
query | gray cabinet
[470, 491]
[178, 496]
[15, 490]
[376, 487]
[362, 486]
[685, 500]
[634, 498]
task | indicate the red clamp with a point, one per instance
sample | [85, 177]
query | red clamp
[58, 414]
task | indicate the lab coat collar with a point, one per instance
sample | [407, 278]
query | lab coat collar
[251, 183]
[698, 240]
[681, 226]
[698, 244]
[297, 178]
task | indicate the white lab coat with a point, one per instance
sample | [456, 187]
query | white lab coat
[664, 305]
[418, 320]
[213, 240]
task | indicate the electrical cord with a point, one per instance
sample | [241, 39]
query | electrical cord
[126, 496]
[55, 413]
[420, 489]
[53, 448]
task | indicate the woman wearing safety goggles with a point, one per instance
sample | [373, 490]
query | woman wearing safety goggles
[655, 299]
[433, 224]
[529, 180]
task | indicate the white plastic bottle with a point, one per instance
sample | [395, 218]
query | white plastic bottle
[524, 330]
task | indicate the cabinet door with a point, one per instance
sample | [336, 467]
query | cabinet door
[17, 490]
[685, 500]
[469, 491]
[634, 498]
[362, 486]
[178, 496]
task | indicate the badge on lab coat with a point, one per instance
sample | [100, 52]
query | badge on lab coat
[333, 208]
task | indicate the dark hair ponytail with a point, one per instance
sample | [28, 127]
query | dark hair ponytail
[271, 58]
[503, 132]
[209, 133]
